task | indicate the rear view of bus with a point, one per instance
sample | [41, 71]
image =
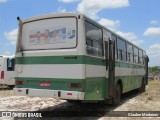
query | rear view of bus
[49, 58]
[7, 72]
[71, 57]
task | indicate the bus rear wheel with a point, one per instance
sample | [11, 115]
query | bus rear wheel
[11, 86]
[117, 96]
[143, 86]
[74, 101]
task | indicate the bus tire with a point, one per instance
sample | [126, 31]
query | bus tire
[143, 85]
[74, 101]
[117, 95]
[11, 86]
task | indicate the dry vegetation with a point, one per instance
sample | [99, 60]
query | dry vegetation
[5, 93]
[146, 101]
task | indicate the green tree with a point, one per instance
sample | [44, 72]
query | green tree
[154, 70]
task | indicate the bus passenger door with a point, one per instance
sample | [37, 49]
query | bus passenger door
[110, 66]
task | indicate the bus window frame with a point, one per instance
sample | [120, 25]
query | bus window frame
[101, 42]
[12, 68]
[120, 50]
[129, 53]
[21, 49]
[140, 62]
[137, 55]
[116, 48]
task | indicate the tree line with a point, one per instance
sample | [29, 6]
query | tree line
[154, 70]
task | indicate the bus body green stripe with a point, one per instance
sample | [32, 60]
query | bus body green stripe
[128, 65]
[74, 59]
[51, 60]
[56, 83]
[60, 60]
[95, 61]
[130, 82]
[95, 88]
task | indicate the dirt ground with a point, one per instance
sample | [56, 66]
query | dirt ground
[133, 101]
[146, 101]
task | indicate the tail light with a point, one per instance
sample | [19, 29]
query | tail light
[74, 85]
[20, 82]
[69, 93]
[2, 74]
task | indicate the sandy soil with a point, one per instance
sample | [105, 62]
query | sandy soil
[134, 101]
[146, 101]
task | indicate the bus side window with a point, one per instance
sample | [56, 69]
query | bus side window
[129, 53]
[135, 55]
[89, 44]
[144, 57]
[140, 57]
[121, 50]
[94, 41]
[10, 64]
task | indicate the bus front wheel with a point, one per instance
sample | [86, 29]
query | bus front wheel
[117, 96]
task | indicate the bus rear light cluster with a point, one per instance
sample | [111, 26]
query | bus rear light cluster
[74, 85]
[2, 74]
[20, 82]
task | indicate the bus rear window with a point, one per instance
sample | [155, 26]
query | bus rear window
[49, 34]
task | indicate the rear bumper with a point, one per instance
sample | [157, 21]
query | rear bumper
[2, 81]
[61, 94]
[7, 81]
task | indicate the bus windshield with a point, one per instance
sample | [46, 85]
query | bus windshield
[10, 64]
[51, 33]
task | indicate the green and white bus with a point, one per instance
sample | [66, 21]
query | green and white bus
[71, 57]
[7, 71]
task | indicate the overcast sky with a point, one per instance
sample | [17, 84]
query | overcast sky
[136, 20]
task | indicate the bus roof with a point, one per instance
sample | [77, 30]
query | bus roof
[47, 16]
[7, 56]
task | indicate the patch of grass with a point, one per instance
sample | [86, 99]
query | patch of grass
[6, 93]
[146, 93]
[149, 97]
